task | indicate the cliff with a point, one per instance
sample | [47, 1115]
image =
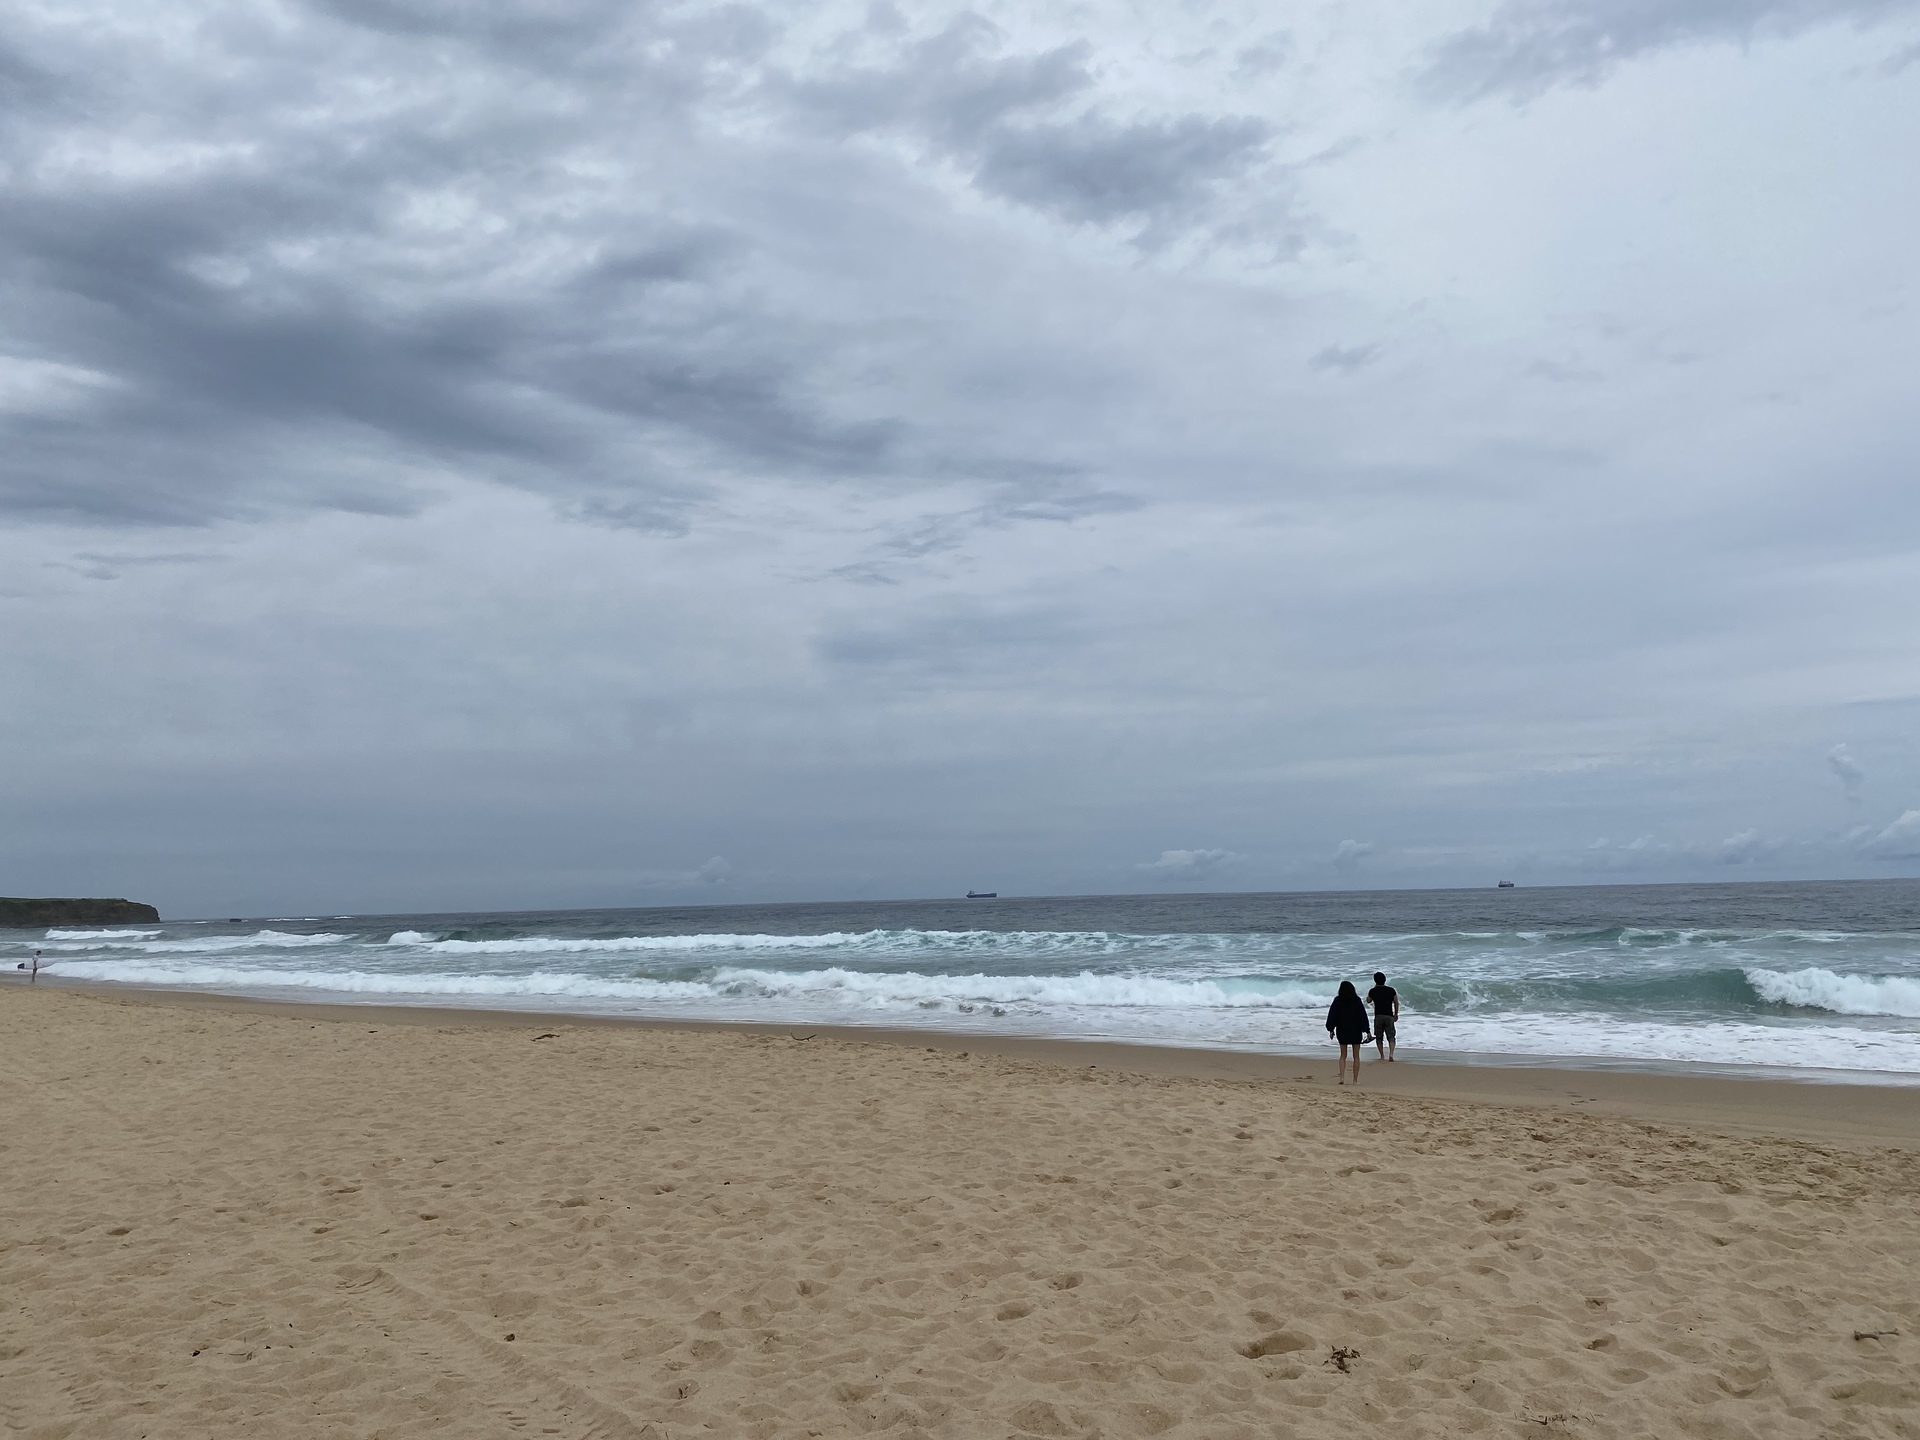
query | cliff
[29, 914]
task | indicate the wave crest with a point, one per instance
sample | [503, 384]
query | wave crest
[1816, 989]
[855, 989]
[58, 933]
[144, 942]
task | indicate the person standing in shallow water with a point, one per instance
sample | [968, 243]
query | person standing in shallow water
[1385, 1001]
[1347, 1023]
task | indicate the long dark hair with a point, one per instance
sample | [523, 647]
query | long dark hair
[1346, 988]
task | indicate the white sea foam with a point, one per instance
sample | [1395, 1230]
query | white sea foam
[844, 988]
[551, 984]
[1827, 1047]
[1817, 989]
[621, 944]
[1085, 990]
[888, 940]
[1528, 997]
[199, 945]
[62, 934]
[1139, 1007]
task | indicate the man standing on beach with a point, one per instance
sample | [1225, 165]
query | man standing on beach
[1386, 1015]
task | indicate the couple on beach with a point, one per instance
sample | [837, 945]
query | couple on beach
[1347, 1022]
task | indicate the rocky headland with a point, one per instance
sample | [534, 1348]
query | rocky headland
[18, 914]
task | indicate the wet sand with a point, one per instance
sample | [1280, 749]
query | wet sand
[385, 1222]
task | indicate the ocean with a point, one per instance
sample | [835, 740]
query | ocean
[1814, 979]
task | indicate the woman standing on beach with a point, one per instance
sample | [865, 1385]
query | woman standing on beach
[1347, 1023]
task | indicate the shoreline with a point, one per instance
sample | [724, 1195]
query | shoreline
[1820, 1110]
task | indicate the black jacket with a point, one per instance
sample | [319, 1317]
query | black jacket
[1347, 1013]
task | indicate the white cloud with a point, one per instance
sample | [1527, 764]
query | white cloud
[716, 871]
[1899, 841]
[1187, 865]
[1349, 853]
[1744, 848]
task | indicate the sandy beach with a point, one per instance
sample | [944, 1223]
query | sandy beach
[234, 1219]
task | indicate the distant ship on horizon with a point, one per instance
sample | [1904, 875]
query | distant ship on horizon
[1504, 885]
[983, 895]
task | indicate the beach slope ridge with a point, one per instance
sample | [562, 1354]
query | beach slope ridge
[20, 914]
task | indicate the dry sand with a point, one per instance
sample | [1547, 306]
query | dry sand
[229, 1220]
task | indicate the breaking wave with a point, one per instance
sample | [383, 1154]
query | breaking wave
[847, 988]
[1761, 994]
[144, 942]
[1817, 989]
[58, 933]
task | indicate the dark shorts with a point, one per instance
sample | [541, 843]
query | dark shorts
[1353, 1037]
[1383, 1030]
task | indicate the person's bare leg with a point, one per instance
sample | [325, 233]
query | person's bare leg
[1340, 1072]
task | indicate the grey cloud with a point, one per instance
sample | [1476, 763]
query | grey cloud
[998, 115]
[1025, 496]
[499, 380]
[96, 566]
[1843, 765]
[1044, 498]
[1561, 372]
[653, 514]
[1040, 499]
[1095, 170]
[23, 81]
[291, 322]
[1530, 46]
[949, 86]
[1259, 60]
[949, 638]
[1344, 358]
[575, 37]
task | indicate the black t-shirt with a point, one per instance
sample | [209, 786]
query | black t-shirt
[1381, 997]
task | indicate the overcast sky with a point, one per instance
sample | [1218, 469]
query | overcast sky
[477, 454]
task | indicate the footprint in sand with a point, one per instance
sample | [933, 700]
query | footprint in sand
[1280, 1342]
[1150, 1419]
[1015, 1311]
[1040, 1418]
